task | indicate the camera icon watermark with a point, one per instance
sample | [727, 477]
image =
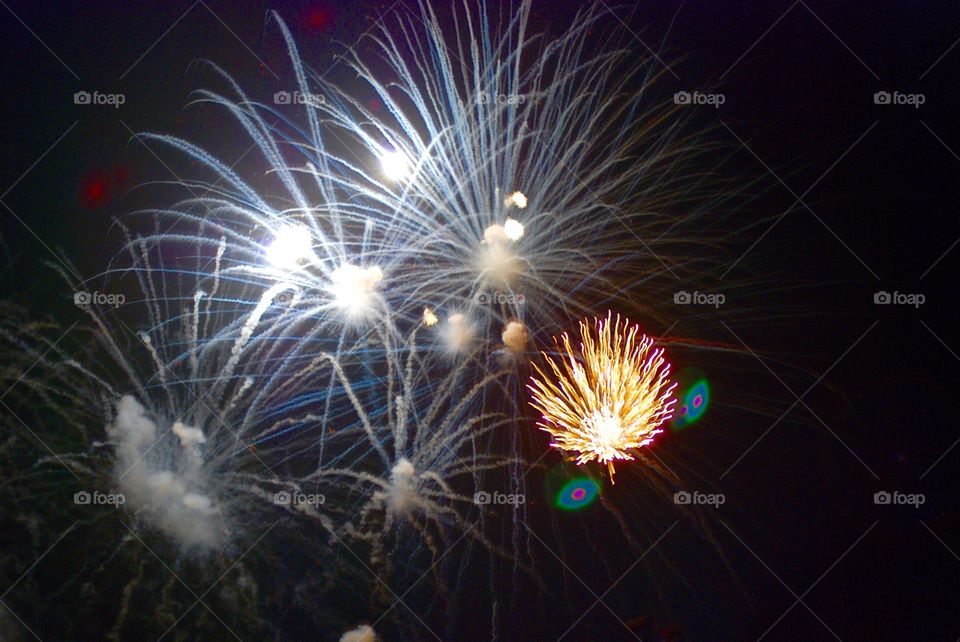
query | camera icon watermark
[298, 98]
[96, 98]
[85, 299]
[882, 297]
[699, 98]
[484, 498]
[499, 298]
[898, 98]
[716, 299]
[896, 498]
[696, 498]
[96, 498]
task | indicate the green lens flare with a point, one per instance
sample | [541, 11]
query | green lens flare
[577, 494]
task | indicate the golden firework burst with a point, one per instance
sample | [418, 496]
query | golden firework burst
[609, 401]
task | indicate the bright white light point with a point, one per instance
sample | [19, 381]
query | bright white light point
[458, 333]
[517, 199]
[403, 486]
[514, 336]
[606, 427]
[360, 634]
[290, 246]
[495, 234]
[513, 229]
[395, 165]
[429, 317]
[495, 260]
[353, 287]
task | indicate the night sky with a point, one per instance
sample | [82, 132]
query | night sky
[852, 198]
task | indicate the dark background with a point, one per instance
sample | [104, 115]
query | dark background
[799, 80]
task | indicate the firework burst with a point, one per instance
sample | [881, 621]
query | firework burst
[292, 364]
[610, 402]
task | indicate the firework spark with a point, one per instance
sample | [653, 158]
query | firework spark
[611, 402]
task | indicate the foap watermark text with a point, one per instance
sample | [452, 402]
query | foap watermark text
[899, 298]
[898, 98]
[716, 299]
[485, 98]
[97, 98]
[84, 299]
[483, 498]
[698, 98]
[499, 298]
[297, 498]
[696, 498]
[896, 498]
[96, 498]
[297, 98]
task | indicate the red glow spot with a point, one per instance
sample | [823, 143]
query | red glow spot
[579, 494]
[683, 410]
[697, 401]
[99, 187]
[96, 190]
[318, 18]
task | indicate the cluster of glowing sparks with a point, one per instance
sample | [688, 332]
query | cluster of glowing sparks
[609, 402]
[306, 336]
